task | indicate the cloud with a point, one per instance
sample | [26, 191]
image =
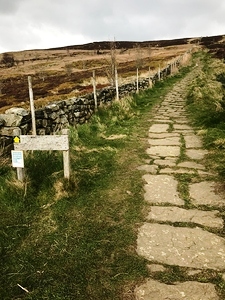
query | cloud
[26, 24]
[9, 6]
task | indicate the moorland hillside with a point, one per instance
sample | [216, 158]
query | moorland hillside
[64, 72]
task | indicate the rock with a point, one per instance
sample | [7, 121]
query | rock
[17, 111]
[181, 246]
[11, 120]
[161, 189]
[156, 268]
[7, 131]
[169, 141]
[191, 165]
[52, 108]
[192, 141]
[176, 171]
[166, 120]
[158, 128]
[53, 115]
[196, 153]
[190, 290]
[2, 121]
[164, 151]
[203, 193]
[182, 127]
[176, 214]
[77, 114]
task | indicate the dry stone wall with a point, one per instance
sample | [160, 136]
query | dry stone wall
[56, 116]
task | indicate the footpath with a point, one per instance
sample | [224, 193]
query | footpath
[180, 236]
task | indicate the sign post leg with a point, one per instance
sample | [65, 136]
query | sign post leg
[20, 174]
[66, 164]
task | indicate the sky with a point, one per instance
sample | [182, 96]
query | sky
[44, 24]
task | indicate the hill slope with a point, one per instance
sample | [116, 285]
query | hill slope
[65, 72]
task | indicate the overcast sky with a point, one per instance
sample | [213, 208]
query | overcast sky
[42, 24]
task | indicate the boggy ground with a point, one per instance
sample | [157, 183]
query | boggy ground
[183, 235]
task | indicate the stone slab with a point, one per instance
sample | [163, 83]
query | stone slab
[182, 127]
[148, 168]
[192, 141]
[167, 121]
[8, 131]
[156, 268]
[161, 189]
[163, 135]
[169, 141]
[176, 214]
[196, 153]
[191, 165]
[181, 246]
[176, 171]
[164, 151]
[189, 290]
[203, 193]
[159, 128]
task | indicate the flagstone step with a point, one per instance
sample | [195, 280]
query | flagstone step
[181, 246]
[189, 290]
[177, 214]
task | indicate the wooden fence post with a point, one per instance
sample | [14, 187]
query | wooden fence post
[149, 78]
[66, 158]
[94, 90]
[171, 68]
[137, 81]
[32, 106]
[117, 86]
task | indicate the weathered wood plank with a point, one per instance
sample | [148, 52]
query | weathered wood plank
[45, 142]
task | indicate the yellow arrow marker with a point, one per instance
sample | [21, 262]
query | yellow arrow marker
[16, 139]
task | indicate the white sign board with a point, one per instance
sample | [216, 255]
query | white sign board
[43, 142]
[17, 159]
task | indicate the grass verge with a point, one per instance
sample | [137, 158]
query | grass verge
[206, 104]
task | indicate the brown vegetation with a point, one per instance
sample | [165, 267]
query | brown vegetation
[65, 72]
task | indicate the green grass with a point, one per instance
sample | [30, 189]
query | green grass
[206, 104]
[76, 239]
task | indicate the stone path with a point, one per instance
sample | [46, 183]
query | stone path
[181, 229]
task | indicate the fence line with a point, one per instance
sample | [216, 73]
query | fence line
[58, 115]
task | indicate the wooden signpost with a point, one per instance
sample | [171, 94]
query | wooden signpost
[38, 142]
[42, 142]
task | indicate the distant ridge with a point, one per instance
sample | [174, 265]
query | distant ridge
[105, 45]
